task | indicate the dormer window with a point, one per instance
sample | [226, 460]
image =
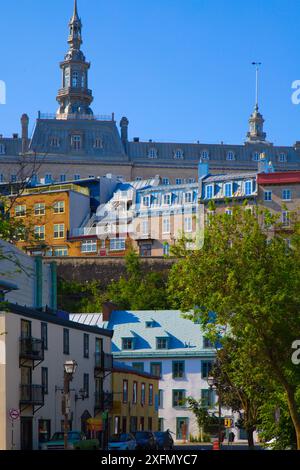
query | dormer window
[98, 144]
[282, 157]
[152, 153]
[146, 201]
[76, 141]
[54, 142]
[205, 155]
[2, 149]
[228, 189]
[162, 343]
[188, 198]
[230, 155]
[256, 156]
[178, 154]
[167, 199]
[150, 324]
[127, 344]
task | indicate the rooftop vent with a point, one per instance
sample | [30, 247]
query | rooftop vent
[136, 139]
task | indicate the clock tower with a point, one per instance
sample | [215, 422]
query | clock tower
[74, 97]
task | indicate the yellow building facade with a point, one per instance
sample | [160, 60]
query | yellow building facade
[50, 213]
[135, 400]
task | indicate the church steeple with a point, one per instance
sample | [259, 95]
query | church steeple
[256, 122]
[74, 97]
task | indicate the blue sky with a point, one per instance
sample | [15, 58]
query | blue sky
[180, 70]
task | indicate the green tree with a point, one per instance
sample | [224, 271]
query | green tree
[138, 290]
[253, 285]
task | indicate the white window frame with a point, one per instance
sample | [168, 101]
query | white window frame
[188, 224]
[256, 156]
[284, 192]
[179, 154]
[251, 187]
[227, 185]
[89, 246]
[117, 244]
[146, 201]
[39, 208]
[230, 156]
[269, 193]
[59, 207]
[285, 218]
[178, 181]
[166, 225]
[167, 199]
[39, 232]
[188, 197]
[207, 188]
[20, 210]
[282, 157]
[76, 141]
[145, 227]
[152, 153]
[59, 251]
[58, 231]
[205, 155]
[165, 181]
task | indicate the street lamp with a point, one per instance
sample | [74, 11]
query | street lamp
[69, 371]
[214, 384]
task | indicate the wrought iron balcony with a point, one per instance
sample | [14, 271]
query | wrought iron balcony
[31, 395]
[31, 349]
[103, 361]
[103, 401]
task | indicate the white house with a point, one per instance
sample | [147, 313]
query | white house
[171, 347]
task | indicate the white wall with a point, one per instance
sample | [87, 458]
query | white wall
[54, 361]
[18, 268]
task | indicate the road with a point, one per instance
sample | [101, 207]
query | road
[209, 447]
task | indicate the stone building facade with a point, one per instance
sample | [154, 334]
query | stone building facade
[75, 141]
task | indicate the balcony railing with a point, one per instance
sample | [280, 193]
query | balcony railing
[31, 395]
[103, 401]
[103, 361]
[31, 349]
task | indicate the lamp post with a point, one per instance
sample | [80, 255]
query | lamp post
[69, 371]
[214, 385]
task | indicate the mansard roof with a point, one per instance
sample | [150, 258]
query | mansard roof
[62, 129]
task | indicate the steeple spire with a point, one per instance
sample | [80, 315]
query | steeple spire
[256, 121]
[75, 25]
[74, 97]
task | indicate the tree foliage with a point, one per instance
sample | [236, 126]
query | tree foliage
[252, 283]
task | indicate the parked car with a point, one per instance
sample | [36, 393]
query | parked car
[146, 440]
[76, 441]
[123, 441]
[164, 440]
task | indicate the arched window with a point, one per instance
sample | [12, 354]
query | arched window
[152, 153]
[230, 155]
[178, 154]
[75, 79]
[205, 155]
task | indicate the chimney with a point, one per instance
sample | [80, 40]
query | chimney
[107, 309]
[24, 124]
[203, 169]
[124, 129]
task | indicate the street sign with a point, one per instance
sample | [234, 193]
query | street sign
[14, 414]
[228, 422]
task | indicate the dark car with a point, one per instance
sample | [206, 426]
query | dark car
[145, 440]
[164, 440]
